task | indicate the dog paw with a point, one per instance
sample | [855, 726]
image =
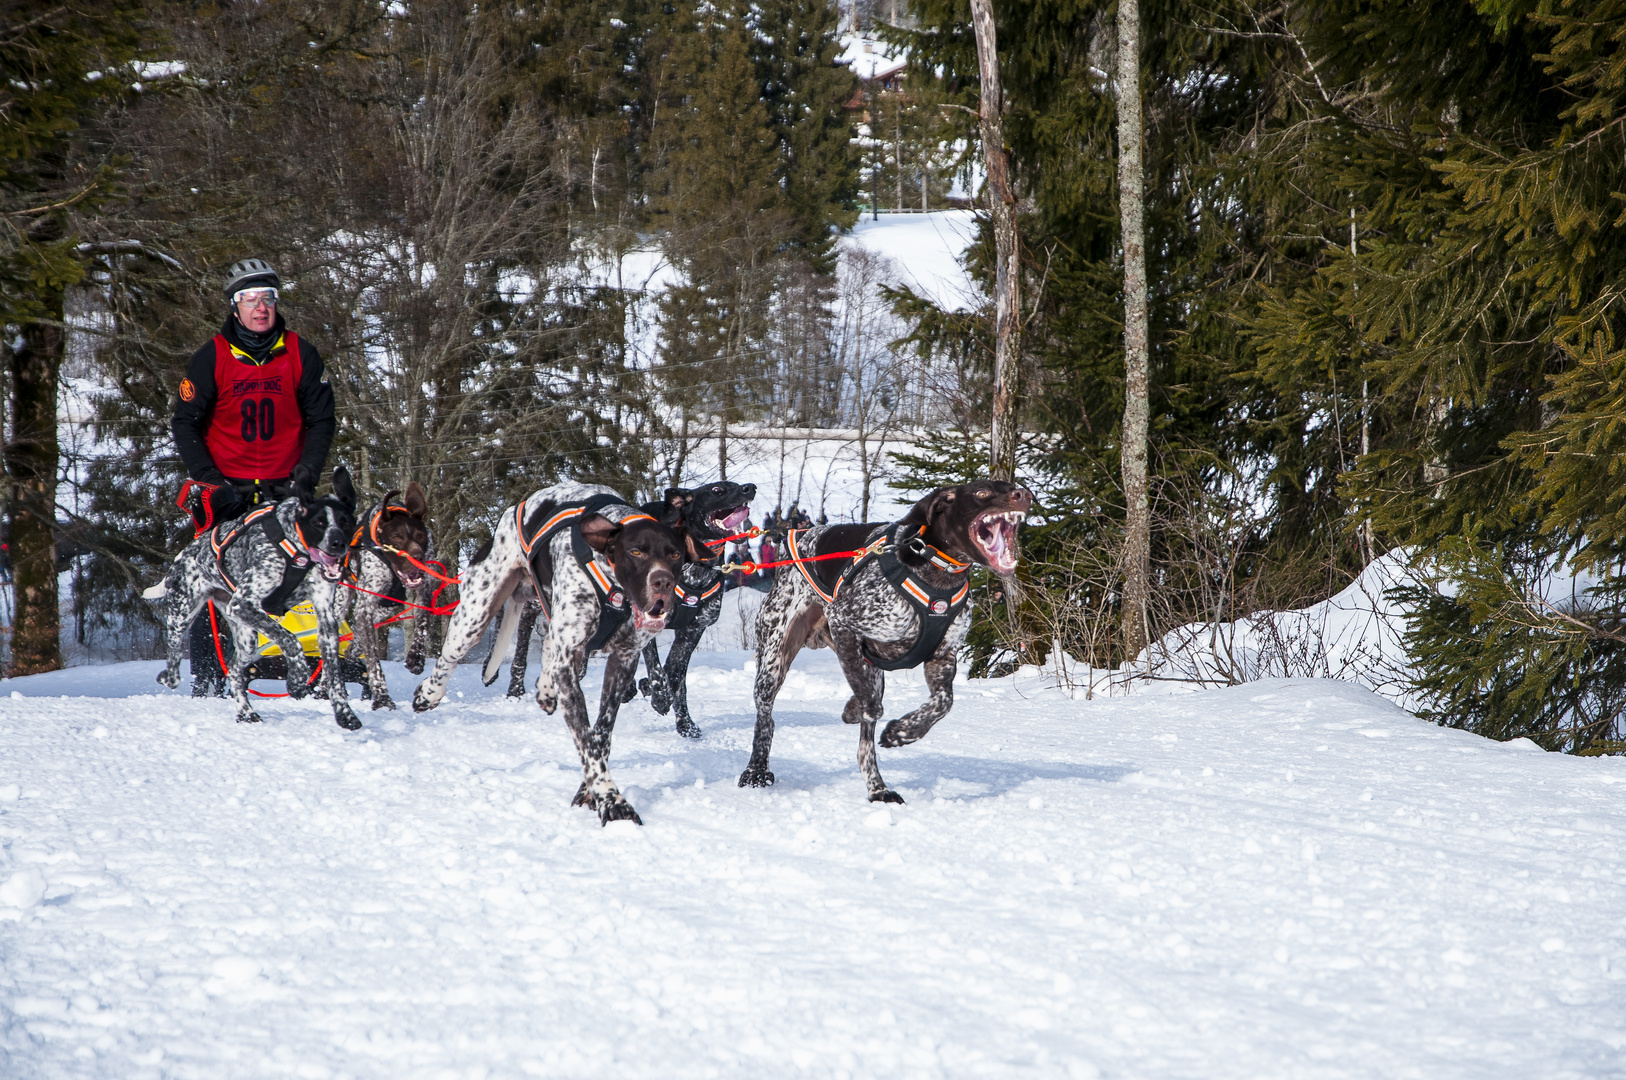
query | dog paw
[421, 703]
[170, 679]
[248, 718]
[414, 664]
[661, 700]
[617, 809]
[350, 722]
[547, 702]
[689, 729]
[629, 693]
[582, 796]
[382, 701]
[886, 795]
[755, 777]
[894, 734]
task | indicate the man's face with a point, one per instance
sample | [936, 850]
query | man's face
[257, 309]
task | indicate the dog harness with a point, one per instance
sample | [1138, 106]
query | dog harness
[935, 609]
[296, 564]
[367, 537]
[688, 603]
[613, 608]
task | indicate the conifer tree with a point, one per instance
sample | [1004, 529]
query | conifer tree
[62, 65]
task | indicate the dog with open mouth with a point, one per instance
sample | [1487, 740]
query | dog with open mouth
[697, 515]
[605, 573]
[389, 545]
[903, 602]
[257, 567]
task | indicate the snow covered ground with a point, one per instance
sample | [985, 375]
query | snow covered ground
[1291, 878]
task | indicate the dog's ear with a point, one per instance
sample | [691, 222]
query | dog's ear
[599, 531]
[417, 503]
[303, 482]
[678, 498]
[344, 489]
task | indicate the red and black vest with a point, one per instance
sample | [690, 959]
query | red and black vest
[256, 431]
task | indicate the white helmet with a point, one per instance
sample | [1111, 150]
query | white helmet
[250, 272]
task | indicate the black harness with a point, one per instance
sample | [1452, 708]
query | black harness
[935, 609]
[613, 608]
[295, 564]
[366, 538]
[689, 601]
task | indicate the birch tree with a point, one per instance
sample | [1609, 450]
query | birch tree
[1002, 212]
[1131, 211]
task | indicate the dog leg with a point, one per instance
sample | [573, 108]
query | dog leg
[677, 679]
[327, 604]
[244, 638]
[488, 588]
[522, 649]
[940, 680]
[181, 607]
[246, 611]
[374, 644]
[418, 635]
[597, 790]
[878, 791]
[777, 646]
[654, 685]
[864, 709]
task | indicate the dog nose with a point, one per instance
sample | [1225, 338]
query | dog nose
[661, 581]
[1023, 497]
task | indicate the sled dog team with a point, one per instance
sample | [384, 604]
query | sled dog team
[607, 576]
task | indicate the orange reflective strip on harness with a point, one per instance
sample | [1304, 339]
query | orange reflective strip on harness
[801, 564]
[525, 544]
[600, 576]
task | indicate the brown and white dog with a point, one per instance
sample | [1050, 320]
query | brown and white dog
[377, 564]
[881, 612]
[605, 573]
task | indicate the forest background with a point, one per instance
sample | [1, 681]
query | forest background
[1384, 244]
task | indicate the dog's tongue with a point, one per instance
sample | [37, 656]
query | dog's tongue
[737, 518]
[322, 557]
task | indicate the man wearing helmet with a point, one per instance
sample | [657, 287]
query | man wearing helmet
[255, 411]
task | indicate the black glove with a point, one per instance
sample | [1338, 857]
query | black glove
[228, 503]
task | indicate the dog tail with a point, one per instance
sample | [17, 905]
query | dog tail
[158, 591]
[507, 630]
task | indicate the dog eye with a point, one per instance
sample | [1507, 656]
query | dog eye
[984, 493]
[637, 554]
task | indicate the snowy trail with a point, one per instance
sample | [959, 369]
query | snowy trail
[1287, 879]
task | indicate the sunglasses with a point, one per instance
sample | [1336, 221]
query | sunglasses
[254, 298]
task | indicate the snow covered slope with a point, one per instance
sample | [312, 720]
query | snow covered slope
[1286, 879]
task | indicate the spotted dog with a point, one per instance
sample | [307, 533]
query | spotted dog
[605, 573]
[255, 569]
[903, 602]
[696, 515]
[378, 566]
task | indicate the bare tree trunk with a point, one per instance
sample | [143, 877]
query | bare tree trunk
[1007, 283]
[31, 464]
[1131, 207]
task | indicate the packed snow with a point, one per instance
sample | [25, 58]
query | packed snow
[1291, 878]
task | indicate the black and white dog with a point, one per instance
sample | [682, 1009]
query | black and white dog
[605, 573]
[256, 568]
[696, 515]
[901, 603]
[379, 566]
